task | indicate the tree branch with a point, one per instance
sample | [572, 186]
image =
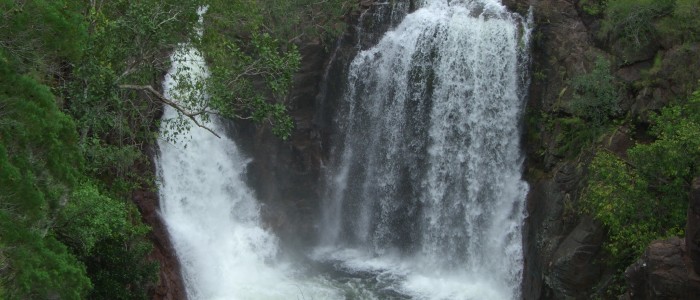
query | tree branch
[163, 99]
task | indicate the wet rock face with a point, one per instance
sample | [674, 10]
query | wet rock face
[562, 49]
[664, 272]
[562, 250]
[170, 284]
[519, 6]
[287, 175]
[541, 235]
[692, 228]
[573, 267]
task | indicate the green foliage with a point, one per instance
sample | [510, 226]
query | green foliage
[40, 267]
[575, 134]
[36, 35]
[113, 164]
[305, 19]
[632, 21]
[125, 46]
[645, 198]
[72, 140]
[250, 50]
[249, 79]
[596, 94]
[289, 20]
[39, 164]
[593, 7]
[617, 196]
[89, 217]
[40, 145]
[683, 24]
[62, 239]
[632, 25]
[106, 235]
[120, 268]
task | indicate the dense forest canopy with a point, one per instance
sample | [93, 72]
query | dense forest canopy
[79, 100]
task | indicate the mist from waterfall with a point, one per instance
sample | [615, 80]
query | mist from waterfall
[424, 197]
[211, 214]
[424, 183]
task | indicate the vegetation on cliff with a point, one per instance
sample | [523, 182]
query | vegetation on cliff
[622, 119]
[641, 195]
[73, 128]
[644, 196]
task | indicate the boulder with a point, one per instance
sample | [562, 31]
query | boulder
[573, 268]
[664, 272]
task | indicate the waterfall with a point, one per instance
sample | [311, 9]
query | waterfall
[425, 170]
[212, 216]
[423, 192]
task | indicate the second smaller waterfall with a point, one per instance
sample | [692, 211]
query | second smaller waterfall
[212, 216]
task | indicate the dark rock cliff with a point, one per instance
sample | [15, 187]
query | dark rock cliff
[564, 251]
[170, 284]
[287, 175]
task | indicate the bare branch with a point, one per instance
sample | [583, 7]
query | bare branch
[174, 16]
[163, 99]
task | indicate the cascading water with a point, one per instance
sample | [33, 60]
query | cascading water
[424, 194]
[425, 175]
[212, 216]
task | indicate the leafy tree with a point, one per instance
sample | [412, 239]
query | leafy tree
[105, 219]
[37, 35]
[125, 46]
[77, 108]
[682, 25]
[636, 22]
[105, 234]
[39, 164]
[645, 198]
[243, 80]
[39, 267]
[304, 19]
[596, 94]
[632, 21]
[42, 160]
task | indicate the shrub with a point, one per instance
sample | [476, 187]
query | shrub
[632, 21]
[645, 198]
[596, 94]
[683, 24]
[593, 7]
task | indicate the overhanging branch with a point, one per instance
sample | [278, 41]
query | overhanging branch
[149, 89]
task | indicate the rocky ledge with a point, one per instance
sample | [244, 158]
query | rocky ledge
[669, 268]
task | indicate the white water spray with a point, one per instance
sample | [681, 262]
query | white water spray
[427, 170]
[425, 199]
[212, 216]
